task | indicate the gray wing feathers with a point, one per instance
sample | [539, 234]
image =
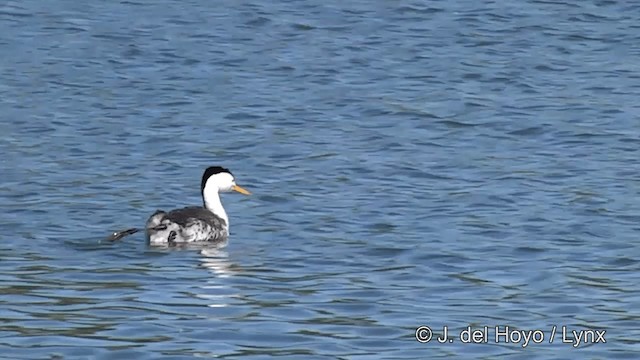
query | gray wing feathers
[187, 215]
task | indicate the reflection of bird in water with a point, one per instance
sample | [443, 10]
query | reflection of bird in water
[208, 223]
[217, 293]
[217, 261]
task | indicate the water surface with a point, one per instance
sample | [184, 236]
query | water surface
[413, 163]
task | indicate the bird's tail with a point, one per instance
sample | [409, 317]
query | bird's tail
[117, 235]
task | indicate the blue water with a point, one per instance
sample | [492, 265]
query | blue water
[412, 164]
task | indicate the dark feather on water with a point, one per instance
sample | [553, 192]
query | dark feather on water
[120, 234]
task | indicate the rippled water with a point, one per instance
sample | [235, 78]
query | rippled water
[413, 163]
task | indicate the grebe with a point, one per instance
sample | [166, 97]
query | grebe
[207, 223]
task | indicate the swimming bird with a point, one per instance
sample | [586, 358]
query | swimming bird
[194, 224]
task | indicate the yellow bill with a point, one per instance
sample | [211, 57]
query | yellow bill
[240, 190]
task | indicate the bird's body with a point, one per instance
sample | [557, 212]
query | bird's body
[189, 224]
[194, 224]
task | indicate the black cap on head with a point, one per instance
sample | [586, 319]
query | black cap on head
[212, 170]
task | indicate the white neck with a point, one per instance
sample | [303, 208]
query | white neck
[212, 203]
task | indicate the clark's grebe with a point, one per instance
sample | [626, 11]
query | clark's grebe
[207, 223]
